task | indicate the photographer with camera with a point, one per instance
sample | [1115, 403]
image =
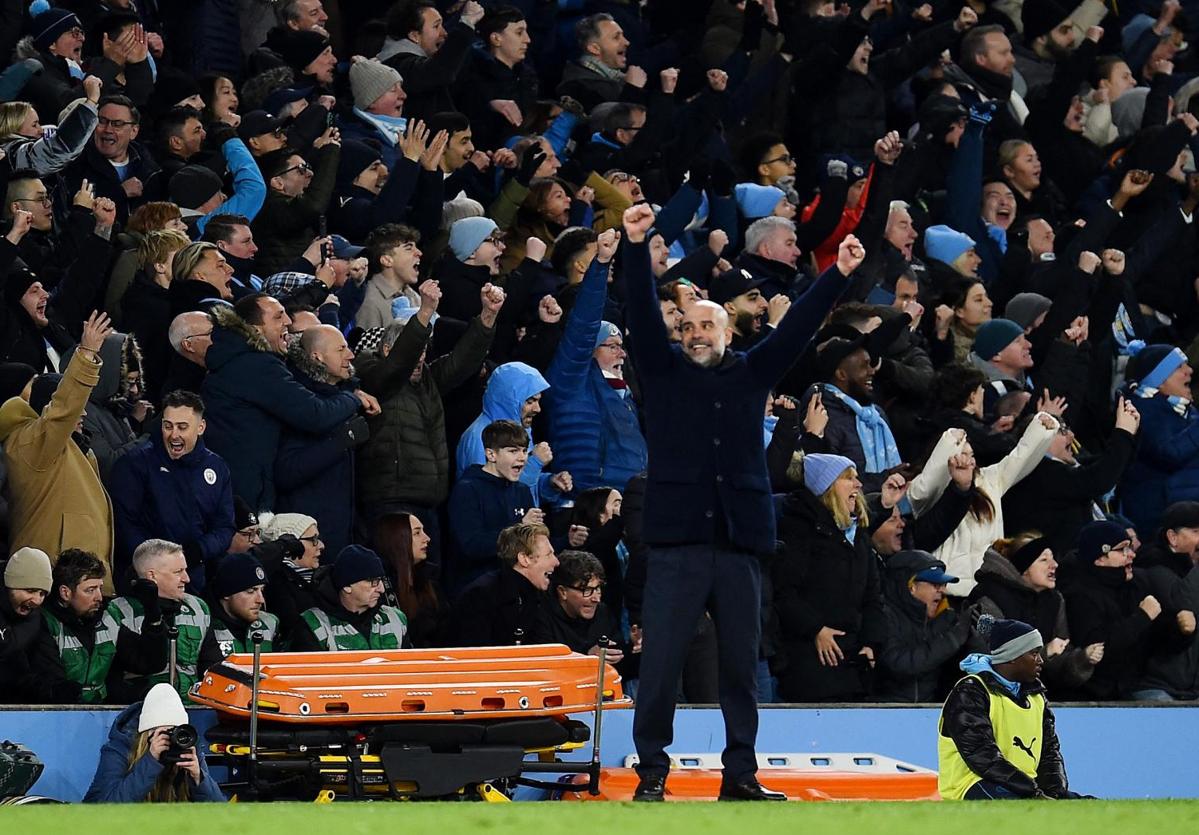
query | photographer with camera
[151, 756]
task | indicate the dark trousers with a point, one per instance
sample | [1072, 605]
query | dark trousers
[681, 582]
[986, 790]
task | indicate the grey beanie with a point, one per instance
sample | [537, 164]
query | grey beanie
[1024, 308]
[369, 80]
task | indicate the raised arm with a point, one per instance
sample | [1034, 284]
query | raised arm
[650, 343]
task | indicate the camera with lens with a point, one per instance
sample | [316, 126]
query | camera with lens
[180, 739]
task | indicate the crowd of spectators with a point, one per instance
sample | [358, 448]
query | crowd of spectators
[315, 323]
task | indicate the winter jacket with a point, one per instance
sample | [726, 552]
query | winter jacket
[98, 171]
[916, 648]
[188, 500]
[1174, 666]
[286, 225]
[58, 501]
[314, 472]
[1002, 593]
[963, 552]
[589, 88]
[407, 458]
[288, 593]
[50, 155]
[509, 386]
[1057, 498]
[822, 579]
[250, 397]
[461, 285]
[593, 427]
[499, 609]
[116, 782]
[481, 505]
[427, 80]
[1166, 467]
[377, 627]
[841, 435]
[704, 425]
[146, 314]
[52, 89]
[107, 423]
[966, 719]
[19, 682]
[487, 79]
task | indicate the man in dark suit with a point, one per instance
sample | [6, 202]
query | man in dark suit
[708, 509]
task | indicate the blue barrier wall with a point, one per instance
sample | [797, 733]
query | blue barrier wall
[1115, 752]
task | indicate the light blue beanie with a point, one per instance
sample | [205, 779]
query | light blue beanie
[941, 243]
[606, 331]
[755, 201]
[468, 234]
[821, 470]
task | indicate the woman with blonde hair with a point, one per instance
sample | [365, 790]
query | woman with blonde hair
[827, 593]
[25, 146]
[138, 765]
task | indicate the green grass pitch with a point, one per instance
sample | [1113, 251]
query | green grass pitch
[1045, 818]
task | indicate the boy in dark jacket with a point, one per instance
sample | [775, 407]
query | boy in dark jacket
[487, 499]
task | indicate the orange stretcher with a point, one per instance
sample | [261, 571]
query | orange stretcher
[328, 688]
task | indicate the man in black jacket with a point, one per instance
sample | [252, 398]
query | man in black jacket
[428, 54]
[116, 165]
[503, 607]
[27, 581]
[576, 614]
[708, 511]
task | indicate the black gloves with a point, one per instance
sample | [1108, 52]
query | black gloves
[700, 173]
[573, 173]
[145, 592]
[193, 553]
[354, 433]
[292, 547]
[534, 156]
[724, 178]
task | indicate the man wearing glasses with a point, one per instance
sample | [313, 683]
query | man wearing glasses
[349, 614]
[577, 615]
[114, 162]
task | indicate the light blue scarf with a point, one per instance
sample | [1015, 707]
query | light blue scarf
[390, 127]
[978, 662]
[1180, 405]
[768, 426]
[878, 444]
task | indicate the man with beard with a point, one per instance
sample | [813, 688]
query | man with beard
[1048, 40]
[314, 472]
[237, 600]
[26, 583]
[708, 509]
[737, 292]
[173, 486]
[983, 73]
[80, 640]
[348, 614]
[56, 498]
[857, 427]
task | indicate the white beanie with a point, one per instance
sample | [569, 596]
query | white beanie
[284, 523]
[162, 707]
[29, 568]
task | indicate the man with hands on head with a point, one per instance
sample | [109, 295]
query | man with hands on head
[708, 507]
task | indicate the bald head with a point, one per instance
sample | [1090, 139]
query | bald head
[706, 333]
[327, 346]
[190, 335]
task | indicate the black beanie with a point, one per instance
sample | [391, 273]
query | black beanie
[1028, 554]
[44, 387]
[356, 563]
[18, 281]
[1040, 17]
[243, 515]
[237, 572]
[193, 186]
[13, 378]
[299, 49]
[356, 157]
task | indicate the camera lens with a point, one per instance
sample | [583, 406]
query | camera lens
[183, 737]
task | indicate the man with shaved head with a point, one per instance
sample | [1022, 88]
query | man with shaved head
[708, 514]
[314, 474]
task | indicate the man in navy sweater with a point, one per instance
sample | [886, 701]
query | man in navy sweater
[708, 511]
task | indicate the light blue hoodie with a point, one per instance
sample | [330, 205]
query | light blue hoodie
[511, 384]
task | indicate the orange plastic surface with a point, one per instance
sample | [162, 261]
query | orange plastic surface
[618, 784]
[331, 688]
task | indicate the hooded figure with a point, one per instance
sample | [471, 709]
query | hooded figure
[108, 423]
[508, 389]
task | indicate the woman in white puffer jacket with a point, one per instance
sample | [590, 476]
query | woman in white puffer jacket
[963, 551]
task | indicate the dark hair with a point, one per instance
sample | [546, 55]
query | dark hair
[576, 568]
[385, 238]
[497, 19]
[249, 309]
[183, 399]
[501, 434]
[1102, 68]
[958, 291]
[568, 245]
[414, 592]
[220, 227]
[121, 101]
[539, 190]
[171, 123]
[207, 84]
[956, 383]
[853, 314]
[754, 150]
[275, 163]
[407, 16]
[113, 24]
[587, 29]
[74, 566]
[589, 505]
[620, 117]
[450, 121]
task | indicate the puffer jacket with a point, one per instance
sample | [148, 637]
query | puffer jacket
[507, 390]
[841, 434]
[915, 647]
[250, 396]
[116, 782]
[594, 428]
[1002, 593]
[407, 458]
[963, 552]
[286, 225]
[110, 432]
[50, 155]
[1166, 467]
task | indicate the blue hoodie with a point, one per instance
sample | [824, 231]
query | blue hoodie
[115, 783]
[509, 387]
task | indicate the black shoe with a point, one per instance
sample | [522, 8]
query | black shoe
[650, 790]
[748, 789]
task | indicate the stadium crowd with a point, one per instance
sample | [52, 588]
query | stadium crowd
[335, 320]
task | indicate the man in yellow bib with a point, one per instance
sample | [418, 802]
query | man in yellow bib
[997, 738]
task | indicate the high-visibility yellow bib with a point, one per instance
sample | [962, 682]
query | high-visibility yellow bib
[1018, 732]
